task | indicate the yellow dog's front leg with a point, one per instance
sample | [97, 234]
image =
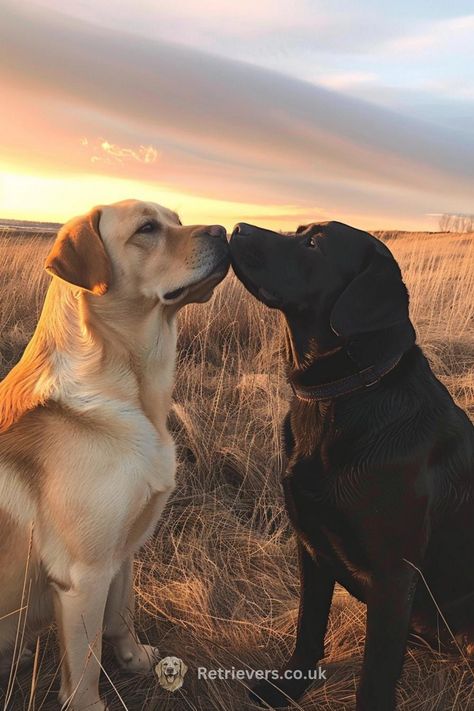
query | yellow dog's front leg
[119, 627]
[80, 616]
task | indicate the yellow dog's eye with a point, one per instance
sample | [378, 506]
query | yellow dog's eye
[148, 228]
[311, 242]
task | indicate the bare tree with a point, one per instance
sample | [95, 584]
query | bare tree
[456, 222]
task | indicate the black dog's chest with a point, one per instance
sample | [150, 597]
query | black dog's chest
[326, 527]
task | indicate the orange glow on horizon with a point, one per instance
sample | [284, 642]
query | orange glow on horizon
[55, 198]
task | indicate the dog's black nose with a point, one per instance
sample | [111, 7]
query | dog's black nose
[242, 228]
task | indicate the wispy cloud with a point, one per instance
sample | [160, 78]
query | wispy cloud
[437, 35]
[344, 80]
[102, 150]
[237, 28]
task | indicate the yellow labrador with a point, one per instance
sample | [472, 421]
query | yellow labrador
[86, 460]
[170, 672]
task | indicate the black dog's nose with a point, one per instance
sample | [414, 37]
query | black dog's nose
[242, 228]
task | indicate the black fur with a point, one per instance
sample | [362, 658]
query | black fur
[380, 482]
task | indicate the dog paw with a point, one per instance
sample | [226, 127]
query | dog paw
[94, 706]
[72, 704]
[138, 659]
[279, 694]
[266, 694]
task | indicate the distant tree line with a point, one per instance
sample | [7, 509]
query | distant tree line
[456, 223]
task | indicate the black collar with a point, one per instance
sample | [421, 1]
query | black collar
[363, 379]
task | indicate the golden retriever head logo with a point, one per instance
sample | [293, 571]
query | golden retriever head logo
[170, 672]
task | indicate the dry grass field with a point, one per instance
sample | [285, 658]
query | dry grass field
[217, 586]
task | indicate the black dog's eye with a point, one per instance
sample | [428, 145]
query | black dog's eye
[311, 242]
[148, 228]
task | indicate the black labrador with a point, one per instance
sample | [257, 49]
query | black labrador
[380, 482]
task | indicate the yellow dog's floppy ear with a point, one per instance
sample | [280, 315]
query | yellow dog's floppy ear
[182, 668]
[78, 255]
[159, 669]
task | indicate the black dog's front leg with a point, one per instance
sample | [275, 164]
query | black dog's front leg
[316, 590]
[389, 606]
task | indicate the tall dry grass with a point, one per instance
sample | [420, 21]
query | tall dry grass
[217, 586]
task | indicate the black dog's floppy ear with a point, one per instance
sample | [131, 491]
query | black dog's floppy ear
[375, 299]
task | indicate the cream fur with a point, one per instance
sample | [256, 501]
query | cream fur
[86, 460]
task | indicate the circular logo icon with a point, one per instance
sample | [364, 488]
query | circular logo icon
[170, 672]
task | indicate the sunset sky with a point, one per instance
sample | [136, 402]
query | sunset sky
[267, 111]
